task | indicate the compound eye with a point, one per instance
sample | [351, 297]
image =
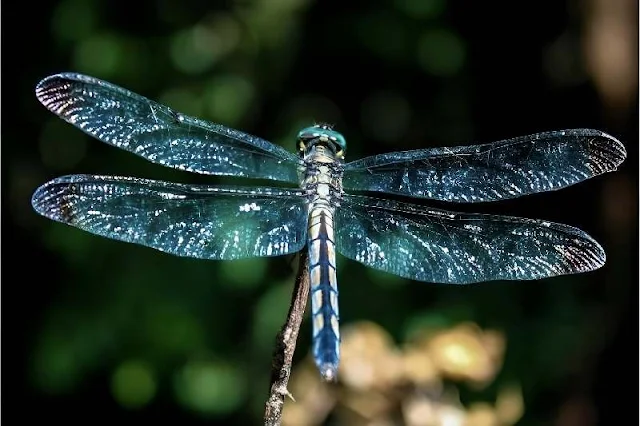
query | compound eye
[303, 137]
[307, 133]
[341, 144]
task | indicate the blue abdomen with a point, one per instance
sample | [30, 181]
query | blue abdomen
[324, 292]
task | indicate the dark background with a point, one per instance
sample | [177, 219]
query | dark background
[97, 329]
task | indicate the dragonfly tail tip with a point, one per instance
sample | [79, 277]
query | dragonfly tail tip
[329, 372]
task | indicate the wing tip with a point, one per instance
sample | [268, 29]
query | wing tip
[589, 253]
[609, 152]
[44, 201]
[605, 151]
[54, 91]
[49, 199]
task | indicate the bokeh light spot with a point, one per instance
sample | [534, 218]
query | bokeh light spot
[133, 384]
[441, 52]
[422, 9]
[184, 101]
[74, 20]
[270, 313]
[210, 387]
[99, 54]
[386, 116]
[56, 369]
[245, 273]
[228, 98]
[173, 328]
[510, 404]
[196, 49]
[384, 35]
[72, 244]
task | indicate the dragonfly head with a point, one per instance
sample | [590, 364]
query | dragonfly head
[322, 134]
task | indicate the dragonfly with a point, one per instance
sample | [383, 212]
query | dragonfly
[323, 202]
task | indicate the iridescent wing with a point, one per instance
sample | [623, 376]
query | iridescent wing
[500, 170]
[159, 134]
[438, 246]
[199, 221]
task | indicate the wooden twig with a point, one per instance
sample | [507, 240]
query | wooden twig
[286, 345]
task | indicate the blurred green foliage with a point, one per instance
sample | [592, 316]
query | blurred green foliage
[203, 332]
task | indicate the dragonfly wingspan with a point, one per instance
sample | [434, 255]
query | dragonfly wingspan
[199, 221]
[438, 246]
[159, 134]
[500, 170]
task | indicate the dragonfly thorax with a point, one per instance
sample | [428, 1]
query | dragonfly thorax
[322, 177]
[321, 135]
[323, 152]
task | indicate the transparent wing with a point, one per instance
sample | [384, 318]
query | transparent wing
[202, 221]
[495, 171]
[157, 133]
[445, 247]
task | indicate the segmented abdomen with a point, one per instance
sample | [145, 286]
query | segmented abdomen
[324, 291]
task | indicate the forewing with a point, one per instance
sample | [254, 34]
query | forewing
[506, 169]
[159, 134]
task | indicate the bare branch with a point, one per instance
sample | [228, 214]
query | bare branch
[286, 345]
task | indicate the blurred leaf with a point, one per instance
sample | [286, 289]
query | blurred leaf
[99, 54]
[228, 98]
[183, 100]
[74, 20]
[270, 313]
[383, 34]
[195, 50]
[71, 344]
[210, 387]
[172, 329]
[243, 273]
[441, 52]
[55, 368]
[133, 384]
[422, 9]
[69, 242]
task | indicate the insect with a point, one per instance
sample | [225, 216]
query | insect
[319, 210]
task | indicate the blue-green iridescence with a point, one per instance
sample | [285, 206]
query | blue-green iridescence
[233, 222]
[318, 131]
